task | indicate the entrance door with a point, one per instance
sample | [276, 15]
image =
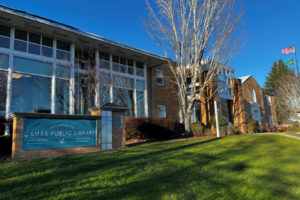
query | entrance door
[255, 112]
[106, 130]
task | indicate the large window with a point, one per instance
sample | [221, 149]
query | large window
[62, 96]
[140, 98]
[3, 83]
[30, 92]
[32, 66]
[105, 83]
[4, 36]
[160, 77]
[125, 98]
[140, 103]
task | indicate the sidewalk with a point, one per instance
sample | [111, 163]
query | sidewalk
[292, 135]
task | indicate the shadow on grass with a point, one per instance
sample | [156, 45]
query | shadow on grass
[209, 169]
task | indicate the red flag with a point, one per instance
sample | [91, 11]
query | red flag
[288, 50]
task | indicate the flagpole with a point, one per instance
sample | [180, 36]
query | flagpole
[296, 62]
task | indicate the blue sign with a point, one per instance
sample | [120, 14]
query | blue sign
[58, 133]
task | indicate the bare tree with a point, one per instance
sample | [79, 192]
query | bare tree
[201, 36]
[288, 93]
[91, 85]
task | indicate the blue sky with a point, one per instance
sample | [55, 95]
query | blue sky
[270, 25]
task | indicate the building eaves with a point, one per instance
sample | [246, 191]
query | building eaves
[76, 31]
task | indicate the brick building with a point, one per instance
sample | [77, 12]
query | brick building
[239, 99]
[252, 103]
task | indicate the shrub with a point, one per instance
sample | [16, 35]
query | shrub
[252, 126]
[198, 129]
[222, 120]
[152, 128]
[234, 130]
[5, 144]
[207, 132]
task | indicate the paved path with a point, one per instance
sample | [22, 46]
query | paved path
[292, 135]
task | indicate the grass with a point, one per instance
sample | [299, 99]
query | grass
[236, 167]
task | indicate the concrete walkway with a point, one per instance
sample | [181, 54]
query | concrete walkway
[291, 135]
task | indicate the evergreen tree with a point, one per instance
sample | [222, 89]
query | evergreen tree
[271, 84]
[277, 70]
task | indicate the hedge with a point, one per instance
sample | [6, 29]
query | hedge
[152, 128]
[5, 144]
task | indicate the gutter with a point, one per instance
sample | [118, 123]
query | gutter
[74, 30]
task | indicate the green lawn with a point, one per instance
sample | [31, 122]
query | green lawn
[236, 167]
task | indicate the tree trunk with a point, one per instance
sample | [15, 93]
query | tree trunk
[187, 124]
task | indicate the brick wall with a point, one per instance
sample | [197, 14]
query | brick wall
[162, 95]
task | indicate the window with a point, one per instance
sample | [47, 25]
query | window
[130, 66]
[32, 66]
[139, 69]
[3, 61]
[160, 77]
[161, 111]
[34, 44]
[269, 101]
[253, 96]
[116, 65]
[20, 40]
[62, 96]
[104, 61]
[3, 83]
[125, 98]
[63, 50]
[30, 92]
[4, 36]
[140, 85]
[140, 103]
[47, 46]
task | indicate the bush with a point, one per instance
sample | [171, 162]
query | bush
[222, 120]
[152, 128]
[252, 126]
[207, 132]
[198, 129]
[234, 130]
[5, 144]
